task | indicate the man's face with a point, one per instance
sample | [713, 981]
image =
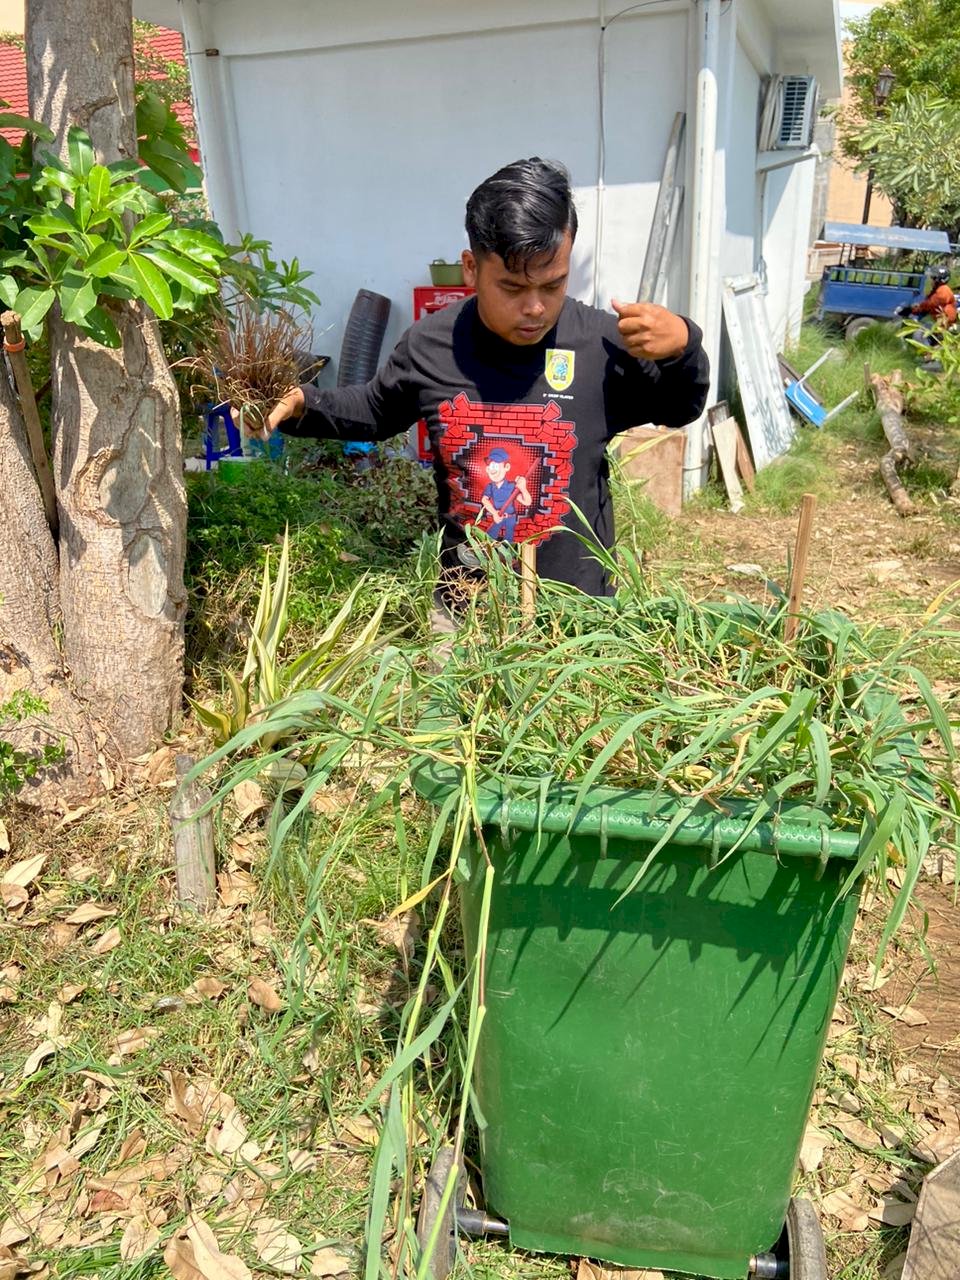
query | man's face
[519, 306]
[497, 471]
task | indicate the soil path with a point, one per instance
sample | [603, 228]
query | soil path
[935, 1045]
[864, 558]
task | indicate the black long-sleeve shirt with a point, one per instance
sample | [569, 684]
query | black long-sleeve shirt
[527, 426]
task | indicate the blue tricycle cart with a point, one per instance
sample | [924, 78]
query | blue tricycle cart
[857, 295]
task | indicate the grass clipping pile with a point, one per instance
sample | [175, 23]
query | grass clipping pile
[705, 703]
[698, 702]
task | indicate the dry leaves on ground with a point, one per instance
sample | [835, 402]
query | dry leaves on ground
[236, 888]
[15, 883]
[106, 942]
[329, 1262]
[265, 995]
[139, 1238]
[401, 932]
[248, 799]
[133, 1040]
[587, 1269]
[275, 1245]
[905, 1013]
[193, 1254]
[87, 912]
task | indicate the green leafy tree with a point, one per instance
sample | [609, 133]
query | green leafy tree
[919, 41]
[93, 614]
[914, 152]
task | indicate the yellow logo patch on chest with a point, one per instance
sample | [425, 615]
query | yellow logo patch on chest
[559, 368]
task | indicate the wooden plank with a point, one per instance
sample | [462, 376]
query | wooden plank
[653, 456]
[528, 580]
[666, 207]
[744, 461]
[798, 571]
[725, 443]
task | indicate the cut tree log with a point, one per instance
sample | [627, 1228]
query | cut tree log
[889, 401]
[193, 844]
[898, 494]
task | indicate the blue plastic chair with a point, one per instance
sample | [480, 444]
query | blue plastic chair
[801, 398]
[216, 416]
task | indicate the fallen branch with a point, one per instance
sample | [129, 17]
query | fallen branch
[898, 494]
[889, 401]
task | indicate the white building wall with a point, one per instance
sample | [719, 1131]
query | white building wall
[786, 200]
[741, 214]
[365, 126]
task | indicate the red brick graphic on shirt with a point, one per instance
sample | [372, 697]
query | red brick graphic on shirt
[530, 442]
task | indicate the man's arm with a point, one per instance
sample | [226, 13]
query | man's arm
[668, 378]
[372, 411]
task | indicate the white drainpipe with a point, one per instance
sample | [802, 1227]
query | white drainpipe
[702, 215]
[219, 153]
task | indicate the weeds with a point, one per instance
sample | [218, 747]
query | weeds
[248, 359]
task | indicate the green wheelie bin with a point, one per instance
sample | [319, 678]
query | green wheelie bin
[647, 1060]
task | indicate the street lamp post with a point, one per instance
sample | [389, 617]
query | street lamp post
[881, 96]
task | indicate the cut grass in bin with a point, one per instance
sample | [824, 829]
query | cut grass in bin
[701, 703]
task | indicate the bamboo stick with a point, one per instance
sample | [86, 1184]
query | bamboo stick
[528, 580]
[799, 569]
[13, 345]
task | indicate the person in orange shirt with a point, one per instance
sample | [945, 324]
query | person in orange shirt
[939, 304]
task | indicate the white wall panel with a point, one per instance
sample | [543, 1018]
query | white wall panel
[786, 205]
[741, 153]
[359, 158]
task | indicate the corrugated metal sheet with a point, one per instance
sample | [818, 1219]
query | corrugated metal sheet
[925, 241]
[766, 415]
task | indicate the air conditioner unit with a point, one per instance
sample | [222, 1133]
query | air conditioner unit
[788, 113]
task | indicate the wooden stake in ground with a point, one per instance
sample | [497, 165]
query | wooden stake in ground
[799, 569]
[528, 580]
[889, 402]
[13, 345]
[193, 847]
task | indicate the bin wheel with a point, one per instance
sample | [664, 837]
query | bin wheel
[801, 1245]
[445, 1252]
[856, 326]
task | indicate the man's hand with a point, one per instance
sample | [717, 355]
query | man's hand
[650, 332]
[290, 405]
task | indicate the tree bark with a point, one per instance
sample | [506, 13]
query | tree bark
[29, 617]
[115, 418]
[889, 401]
[119, 475]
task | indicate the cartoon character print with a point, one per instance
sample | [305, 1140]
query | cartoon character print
[508, 466]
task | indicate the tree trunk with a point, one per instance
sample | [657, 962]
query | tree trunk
[29, 616]
[115, 418]
[119, 475]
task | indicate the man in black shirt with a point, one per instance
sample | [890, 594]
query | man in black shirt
[525, 376]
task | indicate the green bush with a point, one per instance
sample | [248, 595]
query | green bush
[16, 765]
[341, 524]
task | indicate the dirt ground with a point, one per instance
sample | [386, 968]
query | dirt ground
[863, 556]
[935, 1044]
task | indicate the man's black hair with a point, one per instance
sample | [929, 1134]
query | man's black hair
[522, 212]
